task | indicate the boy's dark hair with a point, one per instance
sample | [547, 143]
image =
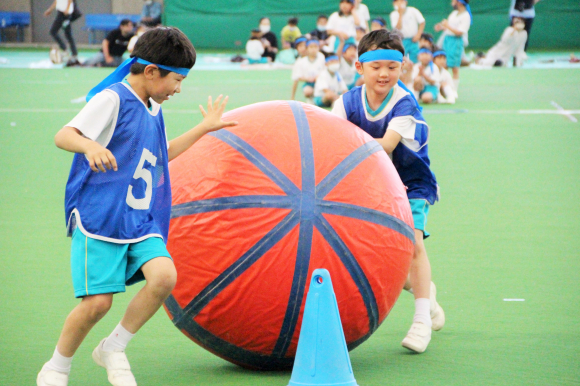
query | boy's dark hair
[163, 45]
[427, 36]
[381, 39]
[125, 22]
[322, 17]
[293, 21]
[384, 23]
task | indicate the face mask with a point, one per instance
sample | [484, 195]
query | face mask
[264, 28]
[321, 27]
[334, 67]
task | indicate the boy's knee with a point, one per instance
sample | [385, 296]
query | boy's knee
[308, 92]
[98, 305]
[427, 98]
[164, 279]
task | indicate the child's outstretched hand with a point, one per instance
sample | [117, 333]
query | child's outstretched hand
[212, 118]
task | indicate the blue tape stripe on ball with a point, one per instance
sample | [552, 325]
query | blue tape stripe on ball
[371, 56]
[237, 202]
[351, 264]
[346, 166]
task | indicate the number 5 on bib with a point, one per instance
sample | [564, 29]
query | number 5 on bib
[140, 172]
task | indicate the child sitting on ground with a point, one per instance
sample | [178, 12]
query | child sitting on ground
[307, 69]
[329, 84]
[255, 48]
[426, 77]
[347, 52]
[512, 44]
[290, 33]
[446, 92]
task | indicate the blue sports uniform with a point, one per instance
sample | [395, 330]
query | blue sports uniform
[119, 220]
[411, 161]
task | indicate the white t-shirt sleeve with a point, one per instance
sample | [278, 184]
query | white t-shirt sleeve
[338, 108]
[332, 23]
[404, 125]
[418, 16]
[97, 120]
[463, 22]
[394, 17]
[297, 72]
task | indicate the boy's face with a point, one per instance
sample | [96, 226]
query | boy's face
[350, 53]
[322, 22]
[126, 29]
[424, 43]
[346, 7]
[160, 88]
[301, 48]
[333, 65]
[312, 50]
[399, 4]
[424, 58]
[381, 75]
[441, 61]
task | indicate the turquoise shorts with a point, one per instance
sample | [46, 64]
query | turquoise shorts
[420, 210]
[433, 90]
[411, 49]
[258, 61]
[318, 102]
[307, 84]
[101, 267]
[453, 47]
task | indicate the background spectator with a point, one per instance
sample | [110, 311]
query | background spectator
[290, 33]
[151, 13]
[342, 24]
[511, 44]
[269, 39]
[524, 9]
[255, 48]
[363, 14]
[64, 16]
[113, 47]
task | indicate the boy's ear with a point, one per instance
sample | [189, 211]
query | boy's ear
[359, 67]
[150, 71]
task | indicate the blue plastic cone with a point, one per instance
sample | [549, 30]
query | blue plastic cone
[322, 357]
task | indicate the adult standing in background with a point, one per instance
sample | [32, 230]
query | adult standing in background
[151, 13]
[269, 39]
[64, 12]
[524, 9]
[363, 14]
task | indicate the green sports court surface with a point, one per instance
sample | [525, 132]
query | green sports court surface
[507, 228]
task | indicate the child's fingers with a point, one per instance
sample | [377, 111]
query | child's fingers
[224, 103]
[99, 164]
[209, 104]
[216, 105]
[230, 124]
[112, 161]
[203, 112]
[93, 166]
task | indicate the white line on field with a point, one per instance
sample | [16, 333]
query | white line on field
[565, 112]
[170, 111]
[514, 300]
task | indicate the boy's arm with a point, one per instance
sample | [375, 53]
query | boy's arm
[70, 139]
[294, 87]
[390, 141]
[212, 121]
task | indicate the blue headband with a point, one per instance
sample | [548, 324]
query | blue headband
[123, 70]
[439, 53]
[347, 46]
[394, 55]
[312, 41]
[378, 22]
[299, 40]
[425, 51]
[468, 8]
[332, 57]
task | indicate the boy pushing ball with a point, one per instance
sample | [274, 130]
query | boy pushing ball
[118, 198]
[388, 111]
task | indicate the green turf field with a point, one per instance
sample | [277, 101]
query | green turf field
[507, 227]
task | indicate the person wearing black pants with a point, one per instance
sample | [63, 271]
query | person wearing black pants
[525, 10]
[64, 11]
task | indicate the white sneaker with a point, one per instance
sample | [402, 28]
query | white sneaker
[437, 314]
[116, 364]
[417, 338]
[51, 378]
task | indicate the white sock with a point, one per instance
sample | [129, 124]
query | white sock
[118, 339]
[449, 94]
[456, 84]
[423, 311]
[58, 363]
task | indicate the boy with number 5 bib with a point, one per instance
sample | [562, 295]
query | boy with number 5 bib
[118, 198]
[385, 109]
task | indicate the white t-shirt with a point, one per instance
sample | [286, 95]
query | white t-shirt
[434, 73]
[458, 21]
[512, 44]
[61, 6]
[254, 49]
[405, 125]
[342, 24]
[364, 15]
[97, 120]
[445, 77]
[305, 69]
[412, 18]
[328, 81]
[347, 71]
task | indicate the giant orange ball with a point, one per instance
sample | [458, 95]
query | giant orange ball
[258, 207]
